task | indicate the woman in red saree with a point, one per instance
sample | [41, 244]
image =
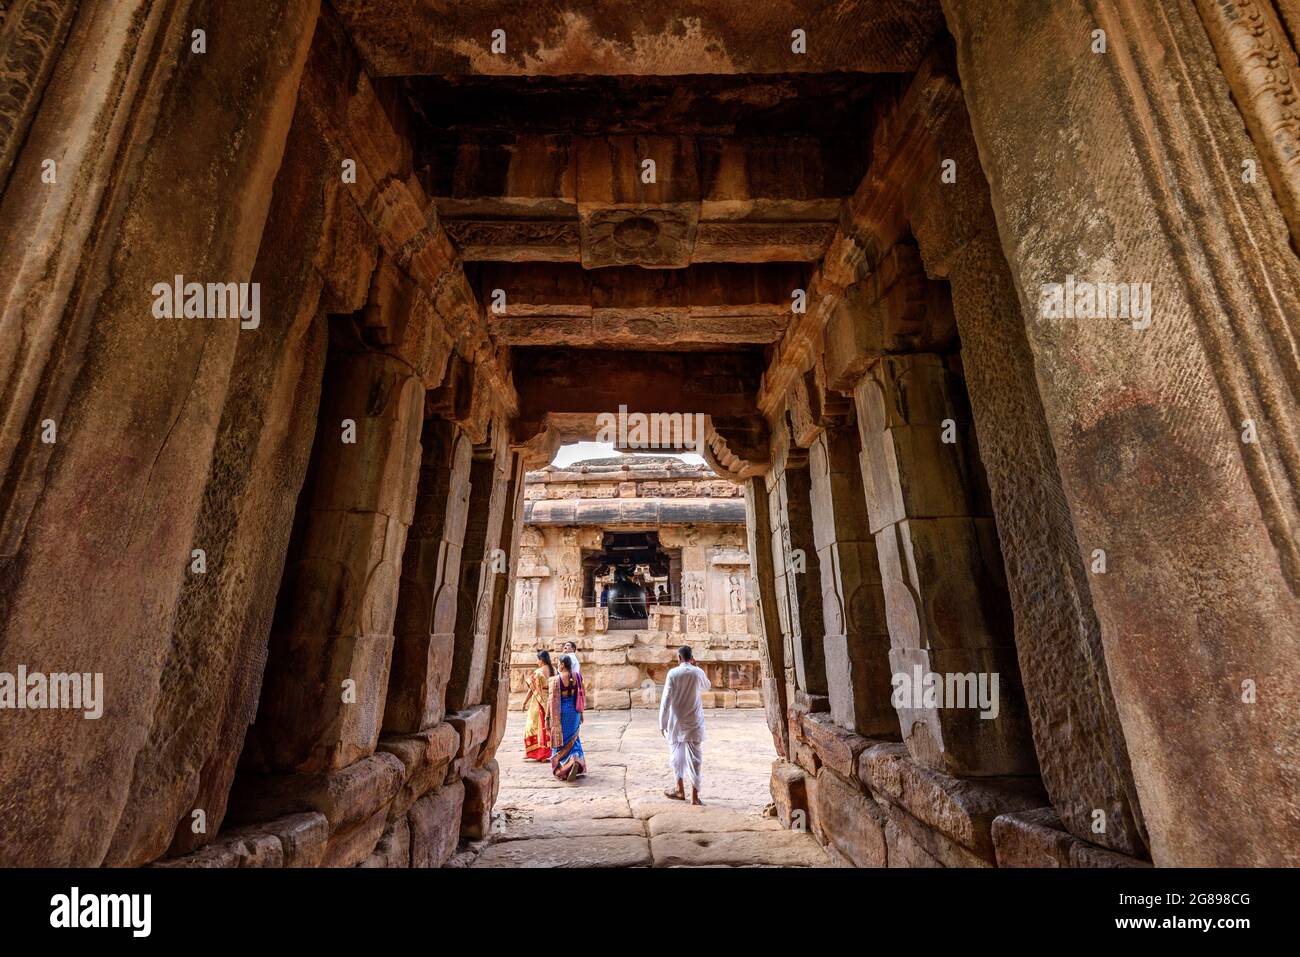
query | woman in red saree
[568, 702]
[536, 704]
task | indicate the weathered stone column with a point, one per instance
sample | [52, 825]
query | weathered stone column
[1077, 734]
[1176, 437]
[109, 507]
[853, 599]
[941, 568]
[757, 524]
[796, 562]
[482, 565]
[260, 460]
[424, 632]
[496, 681]
[327, 669]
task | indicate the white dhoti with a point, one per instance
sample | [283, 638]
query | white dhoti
[681, 719]
[687, 759]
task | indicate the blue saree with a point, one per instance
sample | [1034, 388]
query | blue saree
[568, 760]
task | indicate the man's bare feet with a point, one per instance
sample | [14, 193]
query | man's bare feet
[695, 798]
[675, 795]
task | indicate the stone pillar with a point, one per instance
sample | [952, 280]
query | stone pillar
[109, 508]
[465, 683]
[326, 676]
[797, 566]
[566, 587]
[695, 593]
[945, 594]
[772, 647]
[259, 462]
[424, 641]
[1198, 606]
[496, 685]
[484, 570]
[853, 598]
[1077, 735]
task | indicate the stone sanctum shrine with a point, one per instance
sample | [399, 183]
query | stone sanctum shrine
[674, 534]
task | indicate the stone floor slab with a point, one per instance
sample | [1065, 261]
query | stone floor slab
[779, 848]
[604, 818]
[618, 851]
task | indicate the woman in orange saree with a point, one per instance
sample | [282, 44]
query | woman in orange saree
[536, 704]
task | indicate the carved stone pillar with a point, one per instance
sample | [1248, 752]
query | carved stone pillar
[695, 593]
[941, 569]
[567, 587]
[796, 563]
[478, 579]
[327, 669]
[1077, 734]
[1150, 426]
[424, 640]
[853, 600]
[496, 682]
[110, 507]
[772, 646]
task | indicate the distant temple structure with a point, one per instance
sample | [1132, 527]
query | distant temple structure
[630, 558]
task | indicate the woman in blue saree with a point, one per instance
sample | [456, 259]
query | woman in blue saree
[568, 701]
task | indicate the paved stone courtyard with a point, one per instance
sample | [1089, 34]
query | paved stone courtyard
[617, 815]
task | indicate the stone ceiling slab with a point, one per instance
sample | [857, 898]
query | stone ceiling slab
[421, 37]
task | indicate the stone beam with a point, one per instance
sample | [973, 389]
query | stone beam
[642, 308]
[360, 128]
[874, 222]
[421, 37]
[717, 384]
[652, 512]
[560, 197]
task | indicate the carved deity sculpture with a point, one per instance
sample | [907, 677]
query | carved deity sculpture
[527, 607]
[694, 592]
[736, 596]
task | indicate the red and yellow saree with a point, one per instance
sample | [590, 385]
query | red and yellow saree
[537, 731]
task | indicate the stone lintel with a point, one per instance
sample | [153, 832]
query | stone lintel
[635, 511]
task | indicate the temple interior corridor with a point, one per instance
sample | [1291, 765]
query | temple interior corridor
[980, 317]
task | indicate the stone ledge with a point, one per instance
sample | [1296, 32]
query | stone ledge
[1036, 838]
[963, 809]
[835, 747]
[473, 725]
[481, 786]
[296, 840]
[425, 755]
[913, 843]
[434, 821]
[248, 849]
[346, 797]
[851, 821]
[394, 847]
[789, 791]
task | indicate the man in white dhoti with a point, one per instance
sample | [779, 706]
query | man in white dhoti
[681, 719]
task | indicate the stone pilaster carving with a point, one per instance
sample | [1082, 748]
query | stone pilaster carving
[1260, 65]
[31, 36]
